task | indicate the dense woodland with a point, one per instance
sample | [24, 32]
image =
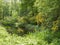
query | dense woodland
[25, 20]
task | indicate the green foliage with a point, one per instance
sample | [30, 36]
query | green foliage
[48, 11]
[3, 32]
[39, 19]
[37, 38]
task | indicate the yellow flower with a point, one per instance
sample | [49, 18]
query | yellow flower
[55, 28]
[39, 18]
[55, 25]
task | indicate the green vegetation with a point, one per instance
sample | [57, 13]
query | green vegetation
[36, 38]
[30, 22]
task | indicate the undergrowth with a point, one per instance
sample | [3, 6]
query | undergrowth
[44, 37]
